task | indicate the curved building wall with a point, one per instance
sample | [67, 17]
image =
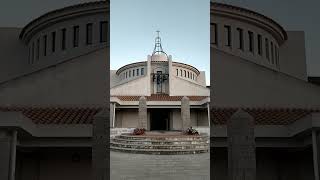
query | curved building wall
[51, 50]
[69, 76]
[245, 40]
[256, 63]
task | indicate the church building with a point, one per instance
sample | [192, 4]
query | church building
[164, 82]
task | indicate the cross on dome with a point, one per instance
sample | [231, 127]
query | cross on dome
[158, 47]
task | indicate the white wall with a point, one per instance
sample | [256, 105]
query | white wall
[238, 82]
[78, 81]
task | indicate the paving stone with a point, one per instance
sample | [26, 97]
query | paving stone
[127, 166]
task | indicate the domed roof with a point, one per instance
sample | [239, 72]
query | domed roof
[159, 57]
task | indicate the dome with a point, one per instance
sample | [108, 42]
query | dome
[159, 57]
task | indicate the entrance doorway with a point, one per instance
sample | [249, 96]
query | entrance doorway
[160, 119]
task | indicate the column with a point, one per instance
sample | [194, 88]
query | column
[114, 115]
[111, 115]
[100, 146]
[185, 113]
[241, 147]
[208, 110]
[315, 145]
[8, 141]
[143, 115]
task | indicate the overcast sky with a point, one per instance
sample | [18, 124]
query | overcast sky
[183, 25]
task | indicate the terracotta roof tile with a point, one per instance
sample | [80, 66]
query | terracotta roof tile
[160, 97]
[263, 116]
[53, 115]
[76, 115]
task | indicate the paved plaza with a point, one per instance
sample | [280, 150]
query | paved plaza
[125, 166]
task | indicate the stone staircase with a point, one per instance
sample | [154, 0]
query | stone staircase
[161, 144]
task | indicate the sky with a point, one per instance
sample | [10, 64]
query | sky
[184, 27]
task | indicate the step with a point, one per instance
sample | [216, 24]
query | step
[168, 142]
[180, 138]
[160, 151]
[169, 147]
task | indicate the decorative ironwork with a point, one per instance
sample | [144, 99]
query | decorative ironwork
[159, 77]
[158, 47]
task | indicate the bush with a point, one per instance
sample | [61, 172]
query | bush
[191, 131]
[139, 131]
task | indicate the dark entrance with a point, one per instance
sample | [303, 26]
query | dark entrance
[160, 119]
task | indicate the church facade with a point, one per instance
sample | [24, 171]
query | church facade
[164, 83]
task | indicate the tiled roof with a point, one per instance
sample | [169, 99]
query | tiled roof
[160, 97]
[84, 115]
[53, 115]
[263, 116]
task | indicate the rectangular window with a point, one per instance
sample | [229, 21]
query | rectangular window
[142, 71]
[214, 34]
[137, 72]
[29, 57]
[227, 30]
[177, 72]
[126, 74]
[45, 45]
[185, 73]
[251, 41]
[63, 39]
[240, 35]
[103, 31]
[32, 59]
[181, 72]
[38, 48]
[89, 33]
[267, 49]
[272, 55]
[133, 73]
[130, 73]
[277, 56]
[75, 36]
[259, 44]
[188, 75]
[53, 41]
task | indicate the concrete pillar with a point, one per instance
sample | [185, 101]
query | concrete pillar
[112, 114]
[185, 113]
[8, 142]
[143, 114]
[148, 74]
[170, 75]
[100, 147]
[315, 151]
[241, 147]
[208, 110]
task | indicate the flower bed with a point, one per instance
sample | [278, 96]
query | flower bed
[139, 131]
[191, 131]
